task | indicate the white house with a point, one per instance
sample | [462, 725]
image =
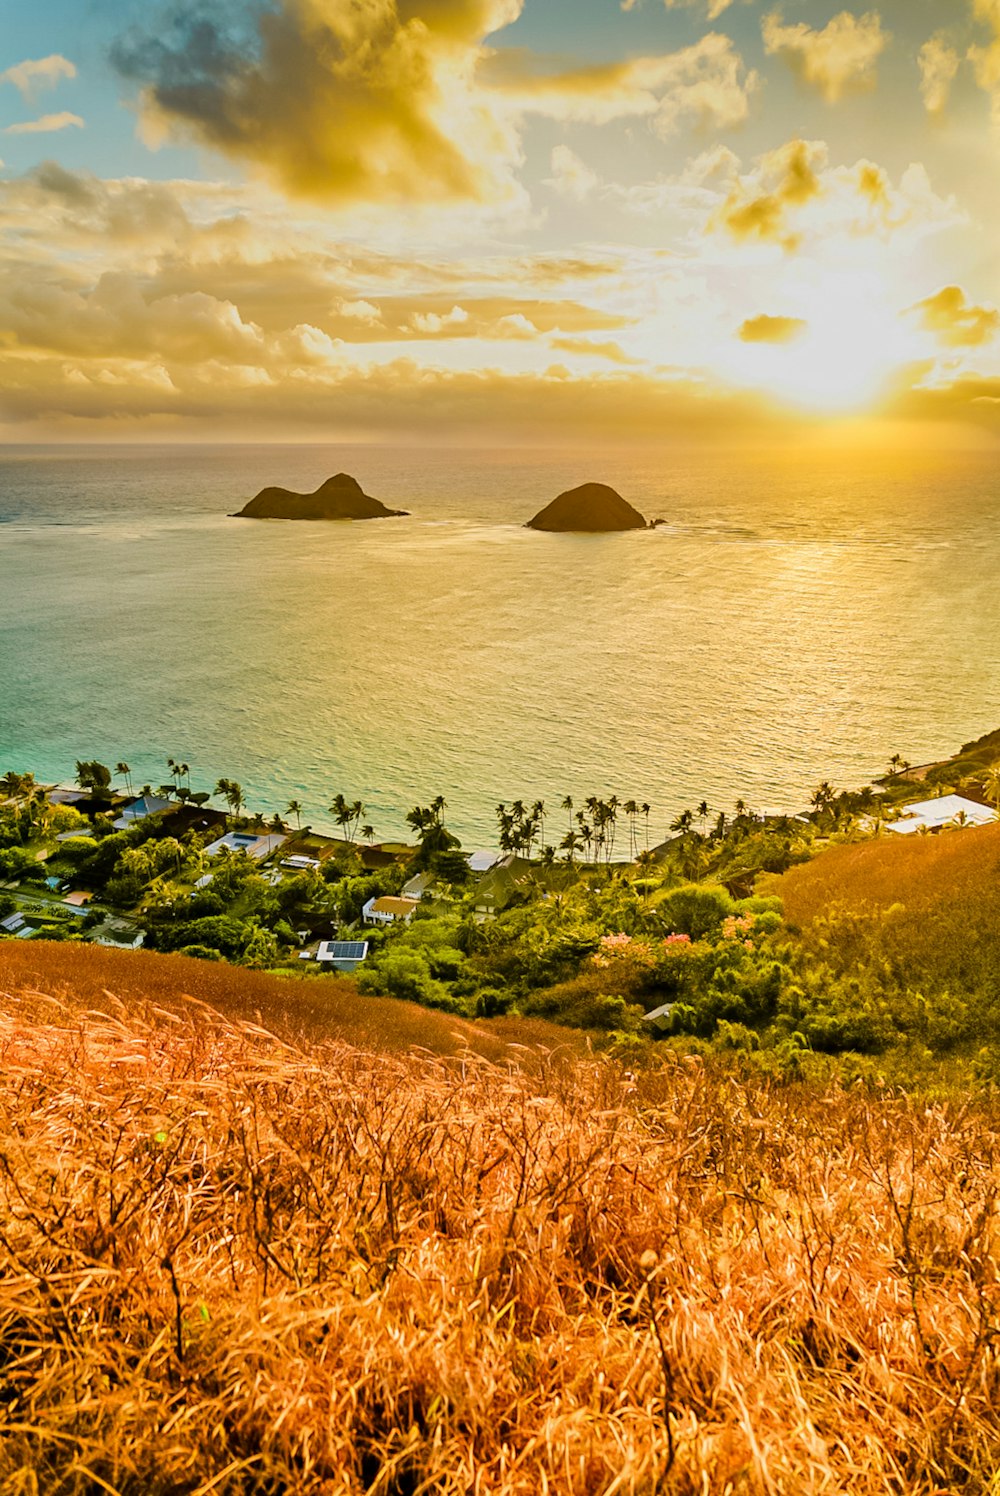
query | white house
[387, 910]
[481, 862]
[253, 843]
[935, 815]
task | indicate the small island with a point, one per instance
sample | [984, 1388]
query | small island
[340, 497]
[593, 508]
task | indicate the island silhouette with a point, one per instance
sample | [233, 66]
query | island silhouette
[593, 507]
[340, 497]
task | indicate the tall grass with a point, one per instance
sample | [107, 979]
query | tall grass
[233, 1264]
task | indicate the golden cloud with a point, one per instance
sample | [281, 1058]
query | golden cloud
[47, 124]
[372, 101]
[986, 60]
[793, 194]
[34, 73]
[939, 63]
[955, 321]
[707, 83]
[839, 59]
[787, 178]
[766, 329]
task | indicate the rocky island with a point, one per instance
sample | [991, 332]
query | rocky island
[593, 507]
[340, 497]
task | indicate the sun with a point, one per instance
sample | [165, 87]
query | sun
[851, 344]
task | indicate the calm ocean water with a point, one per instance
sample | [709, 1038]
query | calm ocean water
[792, 621]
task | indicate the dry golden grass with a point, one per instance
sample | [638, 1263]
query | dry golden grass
[307, 1008]
[232, 1264]
[925, 911]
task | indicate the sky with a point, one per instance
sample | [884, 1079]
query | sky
[539, 221]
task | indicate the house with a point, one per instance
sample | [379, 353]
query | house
[418, 885]
[13, 924]
[502, 884]
[342, 955]
[387, 910]
[935, 815]
[120, 933]
[481, 862]
[146, 805]
[300, 864]
[255, 844]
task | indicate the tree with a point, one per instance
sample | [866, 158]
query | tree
[645, 811]
[232, 792]
[991, 787]
[93, 776]
[431, 832]
[348, 815]
[294, 808]
[123, 769]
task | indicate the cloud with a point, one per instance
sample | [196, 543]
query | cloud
[955, 321]
[758, 207]
[712, 8]
[43, 72]
[571, 177]
[793, 195]
[939, 64]
[766, 329]
[839, 59]
[706, 84]
[611, 351]
[47, 125]
[388, 101]
[375, 100]
[986, 60]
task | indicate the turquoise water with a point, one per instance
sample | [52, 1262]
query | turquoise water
[793, 621]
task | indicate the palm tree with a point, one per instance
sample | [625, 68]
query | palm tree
[645, 811]
[232, 792]
[294, 808]
[991, 787]
[569, 844]
[631, 809]
[683, 822]
[567, 806]
[702, 812]
[126, 773]
[368, 833]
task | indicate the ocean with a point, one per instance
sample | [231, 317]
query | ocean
[794, 619]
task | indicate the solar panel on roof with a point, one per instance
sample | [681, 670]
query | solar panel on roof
[348, 950]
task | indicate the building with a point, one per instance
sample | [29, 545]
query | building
[388, 911]
[418, 885]
[342, 955]
[146, 805]
[936, 815]
[481, 862]
[255, 844]
[120, 933]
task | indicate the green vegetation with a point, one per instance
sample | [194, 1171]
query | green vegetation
[708, 940]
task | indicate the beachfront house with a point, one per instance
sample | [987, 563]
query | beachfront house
[947, 811]
[342, 955]
[388, 911]
[139, 810]
[253, 843]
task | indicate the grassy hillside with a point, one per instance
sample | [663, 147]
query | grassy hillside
[233, 1264]
[924, 909]
[309, 1008]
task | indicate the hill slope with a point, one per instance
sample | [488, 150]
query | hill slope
[925, 907]
[232, 1265]
[311, 1009]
